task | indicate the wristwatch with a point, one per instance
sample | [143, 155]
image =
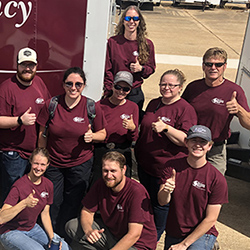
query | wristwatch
[165, 129]
[19, 120]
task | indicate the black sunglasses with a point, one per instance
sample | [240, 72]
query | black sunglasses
[77, 84]
[125, 89]
[128, 18]
[217, 65]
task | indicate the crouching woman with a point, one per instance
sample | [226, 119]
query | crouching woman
[30, 196]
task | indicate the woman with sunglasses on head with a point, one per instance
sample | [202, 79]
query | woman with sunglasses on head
[69, 140]
[29, 197]
[163, 130]
[131, 51]
[122, 118]
[216, 100]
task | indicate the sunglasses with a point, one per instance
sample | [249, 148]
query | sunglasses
[128, 18]
[125, 89]
[217, 65]
[28, 65]
[170, 86]
[78, 85]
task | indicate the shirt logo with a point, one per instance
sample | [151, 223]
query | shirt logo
[199, 185]
[78, 120]
[124, 116]
[135, 53]
[165, 119]
[44, 194]
[218, 101]
[39, 100]
[119, 208]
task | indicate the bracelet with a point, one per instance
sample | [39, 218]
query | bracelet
[165, 129]
[19, 120]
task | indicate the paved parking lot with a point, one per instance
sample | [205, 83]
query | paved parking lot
[181, 35]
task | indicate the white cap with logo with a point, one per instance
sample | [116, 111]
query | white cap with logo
[27, 54]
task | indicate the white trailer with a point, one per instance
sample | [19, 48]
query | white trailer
[243, 79]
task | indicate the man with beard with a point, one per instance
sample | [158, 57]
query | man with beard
[126, 218]
[21, 98]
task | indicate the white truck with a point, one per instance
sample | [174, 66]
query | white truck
[238, 153]
[64, 34]
[145, 4]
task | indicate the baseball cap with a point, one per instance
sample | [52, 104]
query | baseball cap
[124, 76]
[26, 54]
[199, 131]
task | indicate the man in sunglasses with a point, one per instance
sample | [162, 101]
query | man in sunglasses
[216, 100]
[21, 99]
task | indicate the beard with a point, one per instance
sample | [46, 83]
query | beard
[114, 183]
[29, 78]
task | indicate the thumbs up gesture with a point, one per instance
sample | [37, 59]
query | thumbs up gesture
[232, 105]
[30, 200]
[158, 126]
[170, 183]
[136, 67]
[88, 136]
[28, 118]
[129, 123]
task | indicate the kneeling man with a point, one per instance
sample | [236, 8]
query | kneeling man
[196, 190]
[126, 218]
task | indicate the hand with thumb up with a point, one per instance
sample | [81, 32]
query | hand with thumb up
[159, 125]
[129, 123]
[30, 201]
[170, 183]
[136, 67]
[88, 136]
[232, 105]
[28, 118]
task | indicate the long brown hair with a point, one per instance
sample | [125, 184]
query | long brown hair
[143, 46]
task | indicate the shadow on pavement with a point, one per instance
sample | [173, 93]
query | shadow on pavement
[236, 214]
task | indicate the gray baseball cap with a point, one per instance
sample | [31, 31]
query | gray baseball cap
[124, 76]
[199, 131]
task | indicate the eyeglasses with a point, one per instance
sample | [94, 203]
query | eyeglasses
[28, 65]
[125, 89]
[78, 85]
[170, 86]
[217, 65]
[128, 18]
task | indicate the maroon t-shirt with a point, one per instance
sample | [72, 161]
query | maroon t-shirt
[210, 105]
[194, 190]
[114, 115]
[20, 190]
[15, 99]
[66, 144]
[130, 205]
[120, 54]
[153, 149]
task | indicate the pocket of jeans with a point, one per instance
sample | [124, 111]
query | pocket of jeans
[10, 155]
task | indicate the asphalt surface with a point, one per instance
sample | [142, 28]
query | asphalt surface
[181, 35]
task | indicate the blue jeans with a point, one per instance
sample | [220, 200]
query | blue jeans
[205, 242]
[35, 239]
[13, 167]
[152, 185]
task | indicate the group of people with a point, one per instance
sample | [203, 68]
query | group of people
[87, 194]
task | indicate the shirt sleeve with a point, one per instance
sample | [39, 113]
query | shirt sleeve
[140, 206]
[108, 74]
[99, 122]
[43, 115]
[13, 196]
[149, 67]
[219, 191]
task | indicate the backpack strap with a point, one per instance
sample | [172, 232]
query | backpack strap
[91, 111]
[52, 107]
